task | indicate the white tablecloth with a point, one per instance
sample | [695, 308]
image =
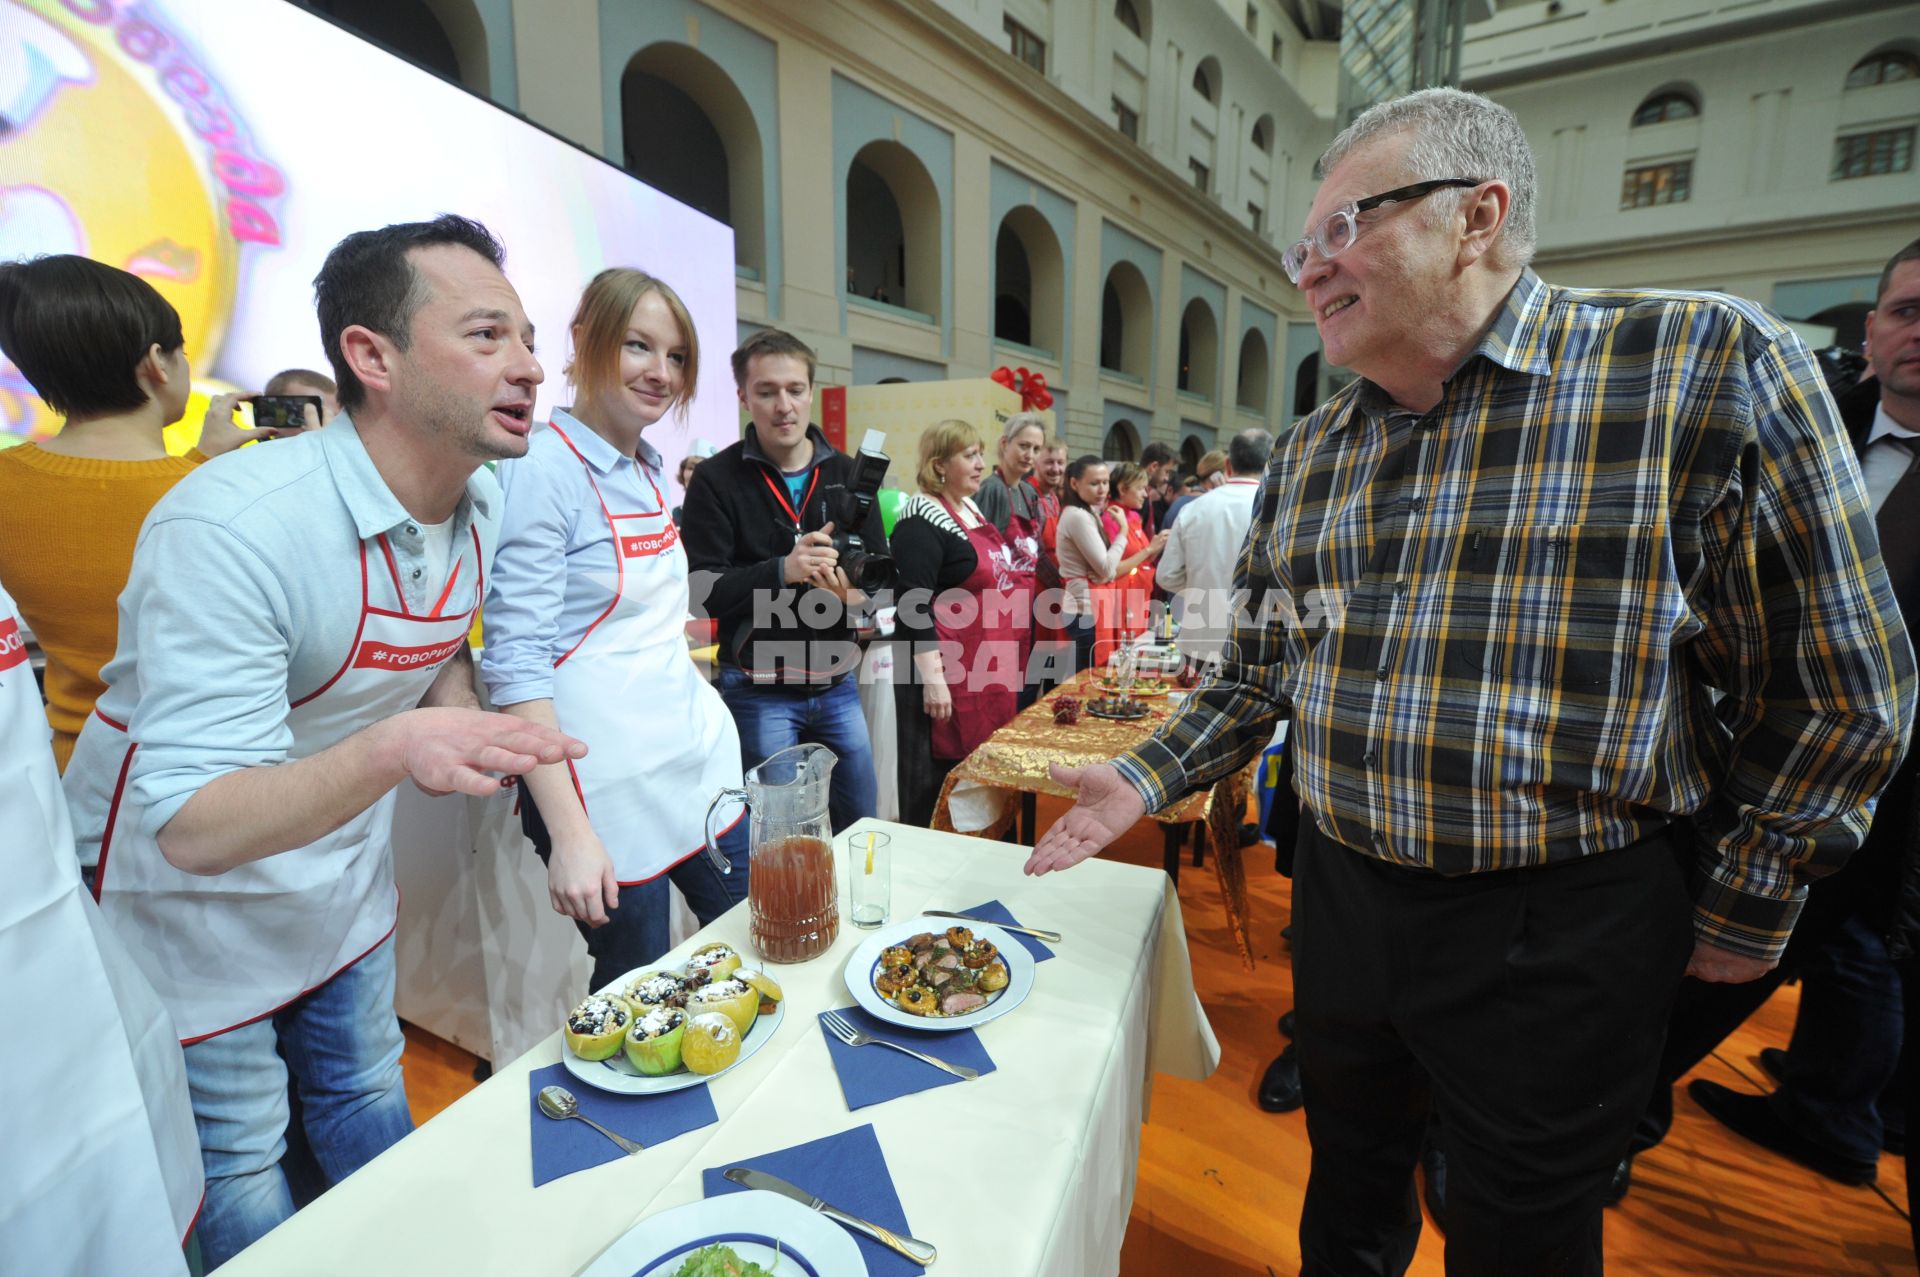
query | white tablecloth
[1054, 1131]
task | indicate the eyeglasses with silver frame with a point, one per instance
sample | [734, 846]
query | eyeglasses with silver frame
[1338, 229]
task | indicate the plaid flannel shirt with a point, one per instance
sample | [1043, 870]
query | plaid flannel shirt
[1624, 570]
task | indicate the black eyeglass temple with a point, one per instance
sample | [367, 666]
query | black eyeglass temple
[1414, 191]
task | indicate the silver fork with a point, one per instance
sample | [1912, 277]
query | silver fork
[844, 1029]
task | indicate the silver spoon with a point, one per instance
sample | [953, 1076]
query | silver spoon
[558, 1102]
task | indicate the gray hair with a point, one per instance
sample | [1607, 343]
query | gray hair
[1247, 451]
[1454, 134]
[1020, 421]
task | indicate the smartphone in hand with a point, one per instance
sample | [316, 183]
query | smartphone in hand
[283, 412]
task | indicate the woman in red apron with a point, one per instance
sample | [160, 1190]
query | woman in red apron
[1122, 612]
[962, 616]
[585, 626]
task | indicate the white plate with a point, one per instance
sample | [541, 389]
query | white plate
[866, 960]
[750, 1222]
[619, 1076]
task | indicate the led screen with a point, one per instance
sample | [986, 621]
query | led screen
[219, 148]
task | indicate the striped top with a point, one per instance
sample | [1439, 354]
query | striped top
[1623, 571]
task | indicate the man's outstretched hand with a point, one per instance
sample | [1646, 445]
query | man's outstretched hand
[1106, 807]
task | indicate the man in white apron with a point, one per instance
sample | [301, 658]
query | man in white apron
[94, 1106]
[293, 645]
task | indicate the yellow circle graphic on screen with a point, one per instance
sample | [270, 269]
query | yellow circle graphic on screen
[97, 161]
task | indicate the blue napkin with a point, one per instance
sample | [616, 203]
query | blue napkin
[563, 1146]
[869, 1076]
[847, 1170]
[994, 911]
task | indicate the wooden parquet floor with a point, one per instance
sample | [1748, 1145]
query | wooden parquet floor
[1220, 1182]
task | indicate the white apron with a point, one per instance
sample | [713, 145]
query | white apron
[660, 742]
[227, 950]
[101, 1170]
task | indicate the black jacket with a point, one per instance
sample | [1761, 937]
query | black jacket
[738, 528]
[1890, 890]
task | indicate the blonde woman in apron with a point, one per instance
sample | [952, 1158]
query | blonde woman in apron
[585, 626]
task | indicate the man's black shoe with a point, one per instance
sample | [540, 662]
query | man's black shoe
[1774, 1061]
[1280, 1088]
[1286, 1023]
[1622, 1178]
[1286, 933]
[1751, 1117]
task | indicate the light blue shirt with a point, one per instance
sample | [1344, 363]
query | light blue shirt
[244, 596]
[556, 567]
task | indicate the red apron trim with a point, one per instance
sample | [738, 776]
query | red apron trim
[619, 562]
[358, 630]
[113, 816]
[640, 882]
[255, 1019]
[441, 602]
[113, 723]
[578, 792]
[393, 570]
[195, 1221]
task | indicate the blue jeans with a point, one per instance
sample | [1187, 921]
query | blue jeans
[340, 1046]
[637, 932]
[774, 716]
[1083, 632]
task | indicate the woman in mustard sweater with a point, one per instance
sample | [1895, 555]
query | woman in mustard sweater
[105, 350]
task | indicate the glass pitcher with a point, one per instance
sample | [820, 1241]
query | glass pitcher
[790, 883]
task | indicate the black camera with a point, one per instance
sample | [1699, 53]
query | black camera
[847, 506]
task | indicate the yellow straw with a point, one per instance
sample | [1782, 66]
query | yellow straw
[869, 853]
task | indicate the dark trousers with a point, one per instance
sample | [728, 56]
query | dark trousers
[639, 930]
[1525, 1007]
[1705, 1013]
[1909, 1082]
[1841, 1088]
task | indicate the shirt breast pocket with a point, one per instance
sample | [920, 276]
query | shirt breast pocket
[1574, 607]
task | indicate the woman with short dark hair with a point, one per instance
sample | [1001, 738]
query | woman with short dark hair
[105, 350]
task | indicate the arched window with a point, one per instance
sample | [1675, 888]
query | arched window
[1306, 385]
[893, 229]
[1129, 17]
[678, 112]
[1251, 387]
[1029, 282]
[1669, 105]
[1126, 322]
[1199, 349]
[1885, 67]
[1263, 134]
[1122, 442]
[1191, 450]
[1206, 79]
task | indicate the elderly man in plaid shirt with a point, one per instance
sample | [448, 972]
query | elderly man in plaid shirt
[1575, 603]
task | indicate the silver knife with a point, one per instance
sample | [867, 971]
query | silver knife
[1035, 932]
[921, 1253]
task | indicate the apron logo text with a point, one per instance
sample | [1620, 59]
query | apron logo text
[385, 656]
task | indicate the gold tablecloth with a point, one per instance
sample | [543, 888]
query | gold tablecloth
[1016, 758]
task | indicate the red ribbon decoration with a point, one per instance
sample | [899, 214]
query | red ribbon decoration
[1030, 386]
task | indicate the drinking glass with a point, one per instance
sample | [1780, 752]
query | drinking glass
[869, 878]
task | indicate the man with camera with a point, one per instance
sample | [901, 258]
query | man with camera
[783, 541]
